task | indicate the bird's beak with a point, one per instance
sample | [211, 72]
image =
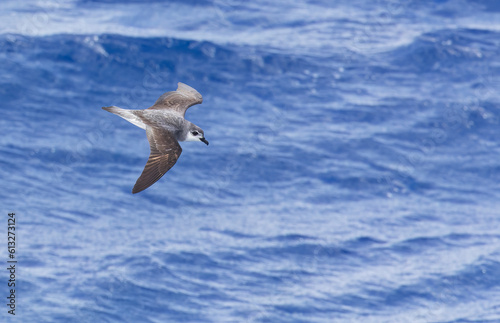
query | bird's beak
[204, 140]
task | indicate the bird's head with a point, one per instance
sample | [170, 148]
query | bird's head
[196, 134]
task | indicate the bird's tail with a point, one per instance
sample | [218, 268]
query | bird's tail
[128, 115]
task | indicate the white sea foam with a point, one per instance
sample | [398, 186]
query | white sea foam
[296, 26]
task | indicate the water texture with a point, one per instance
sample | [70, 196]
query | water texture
[352, 175]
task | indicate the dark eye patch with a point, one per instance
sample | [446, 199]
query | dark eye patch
[195, 133]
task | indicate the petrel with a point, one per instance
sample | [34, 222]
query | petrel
[165, 126]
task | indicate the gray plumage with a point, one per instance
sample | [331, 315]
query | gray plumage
[165, 126]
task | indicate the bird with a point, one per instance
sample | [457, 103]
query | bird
[165, 126]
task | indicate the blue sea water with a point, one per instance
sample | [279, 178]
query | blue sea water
[353, 171]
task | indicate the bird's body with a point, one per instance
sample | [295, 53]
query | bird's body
[165, 126]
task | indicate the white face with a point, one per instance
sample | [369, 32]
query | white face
[194, 135]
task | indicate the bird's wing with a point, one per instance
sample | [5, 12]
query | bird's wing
[165, 150]
[179, 100]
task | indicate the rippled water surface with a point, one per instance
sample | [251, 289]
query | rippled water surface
[352, 174]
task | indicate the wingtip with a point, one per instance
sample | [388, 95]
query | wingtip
[136, 190]
[182, 87]
[138, 187]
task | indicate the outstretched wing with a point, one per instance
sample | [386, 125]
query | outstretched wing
[179, 100]
[165, 150]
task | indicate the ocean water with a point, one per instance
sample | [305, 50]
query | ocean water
[353, 171]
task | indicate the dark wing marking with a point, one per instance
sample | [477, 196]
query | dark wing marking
[179, 100]
[165, 150]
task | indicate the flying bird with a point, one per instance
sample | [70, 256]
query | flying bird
[165, 126]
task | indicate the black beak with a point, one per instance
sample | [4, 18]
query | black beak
[204, 140]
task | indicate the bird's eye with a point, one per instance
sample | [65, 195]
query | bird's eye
[195, 133]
